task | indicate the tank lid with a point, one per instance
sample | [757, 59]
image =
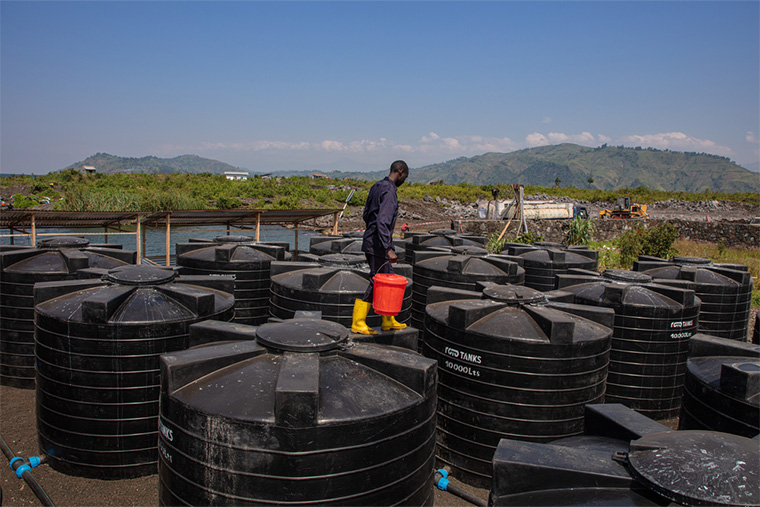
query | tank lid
[302, 335]
[469, 249]
[140, 275]
[234, 239]
[698, 467]
[624, 275]
[691, 261]
[340, 259]
[514, 295]
[63, 242]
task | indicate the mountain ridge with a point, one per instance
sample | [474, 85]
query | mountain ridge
[605, 167]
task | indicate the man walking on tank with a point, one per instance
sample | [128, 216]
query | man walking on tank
[380, 213]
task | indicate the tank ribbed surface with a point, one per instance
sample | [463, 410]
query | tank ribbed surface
[249, 262]
[56, 258]
[97, 350]
[722, 387]
[543, 263]
[331, 290]
[724, 289]
[650, 341]
[443, 238]
[511, 369]
[297, 416]
[458, 272]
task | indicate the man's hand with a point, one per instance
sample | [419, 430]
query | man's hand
[392, 257]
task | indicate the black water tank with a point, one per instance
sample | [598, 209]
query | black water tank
[725, 291]
[249, 262]
[722, 386]
[351, 246]
[55, 258]
[439, 238]
[629, 462]
[650, 342]
[98, 344]
[331, 290]
[458, 272]
[544, 262]
[511, 365]
[297, 416]
[345, 260]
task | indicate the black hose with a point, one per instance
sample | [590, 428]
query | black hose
[27, 474]
[443, 484]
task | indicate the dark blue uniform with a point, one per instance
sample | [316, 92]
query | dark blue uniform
[380, 212]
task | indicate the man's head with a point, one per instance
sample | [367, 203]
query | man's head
[399, 172]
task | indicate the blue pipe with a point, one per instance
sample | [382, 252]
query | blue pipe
[22, 467]
[443, 483]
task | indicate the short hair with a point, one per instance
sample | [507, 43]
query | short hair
[399, 166]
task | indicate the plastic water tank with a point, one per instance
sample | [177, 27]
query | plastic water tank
[55, 258]
[627, 459]
[650, 342]
[724, 289]
[332, 290]
[439, 238]
[458, 272]
[98, 344]
[543, 263]
[297, 416]
[722, 386]
[351, 246]
[249, 262]
[511, 365]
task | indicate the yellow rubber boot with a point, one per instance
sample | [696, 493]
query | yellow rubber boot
[390, 323]
[359, 324]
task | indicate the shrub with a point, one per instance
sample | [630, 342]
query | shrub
[527, 237]
[657, 241]
[579, 232]
[228, 203]
[20, 201]
[494, 244]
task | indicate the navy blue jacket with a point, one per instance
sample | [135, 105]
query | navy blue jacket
[380, 216]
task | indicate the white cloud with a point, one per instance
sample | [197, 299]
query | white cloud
[434, 147]
[547, 120]
[752, 137]
[333, 146]
[677, 141]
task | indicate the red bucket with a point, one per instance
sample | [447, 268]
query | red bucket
[388, 293]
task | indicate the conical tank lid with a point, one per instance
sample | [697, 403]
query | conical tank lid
[698, 467]
[514, 295]
[691, 261]
[140, 275]
[624, 275]
[302, 335]
[234, 239]
[63, 242]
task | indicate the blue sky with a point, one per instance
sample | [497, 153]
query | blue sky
[273, 86]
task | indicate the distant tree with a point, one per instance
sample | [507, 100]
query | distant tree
[590, 180]
[557, 181]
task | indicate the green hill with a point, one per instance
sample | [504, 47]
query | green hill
[606, 167]
[109, 164]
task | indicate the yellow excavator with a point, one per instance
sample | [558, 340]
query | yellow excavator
[624, 209]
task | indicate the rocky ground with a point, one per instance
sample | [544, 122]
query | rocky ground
[433, 213]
